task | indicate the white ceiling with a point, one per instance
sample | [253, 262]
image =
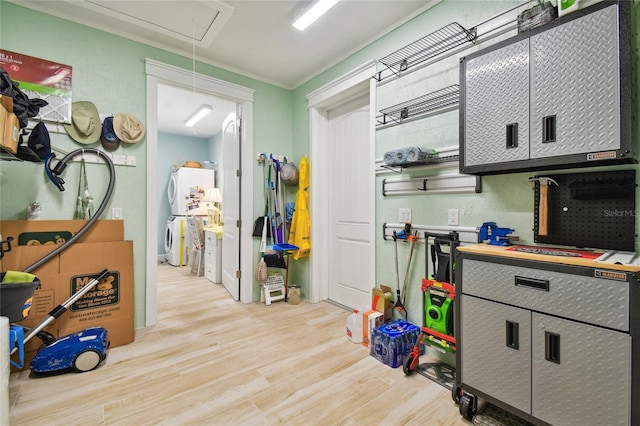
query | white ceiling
[250, 37]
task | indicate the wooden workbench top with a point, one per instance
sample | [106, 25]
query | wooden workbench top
[503, 251]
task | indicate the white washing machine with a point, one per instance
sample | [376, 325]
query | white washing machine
[187, 191]
[177, 241]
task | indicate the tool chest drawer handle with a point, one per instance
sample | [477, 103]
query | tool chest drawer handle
[532, 283]
[552, 347]
[512, 135]
[512, 338]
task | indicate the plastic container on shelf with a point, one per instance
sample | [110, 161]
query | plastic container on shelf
[354, 326]
[568, 6]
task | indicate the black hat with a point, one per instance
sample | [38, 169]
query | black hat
[39, 141]
[25, 153]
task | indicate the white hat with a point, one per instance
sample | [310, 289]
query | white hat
[128, 128]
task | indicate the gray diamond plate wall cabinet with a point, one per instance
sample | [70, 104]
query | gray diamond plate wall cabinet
[554, 97]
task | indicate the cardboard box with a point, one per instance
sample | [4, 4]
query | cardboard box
[382, 301]
[10, 135]
[109, 304]
[370, 320]
[53, 232]
[112, 298]
[4, 113]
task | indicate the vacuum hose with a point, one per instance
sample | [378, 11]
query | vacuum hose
[54, 176]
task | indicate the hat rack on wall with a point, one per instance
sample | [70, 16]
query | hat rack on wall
[57, 127]
[88, 157]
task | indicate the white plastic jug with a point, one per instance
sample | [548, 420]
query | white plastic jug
[354, 326]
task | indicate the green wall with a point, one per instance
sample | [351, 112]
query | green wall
[110, 72]
[505, 199]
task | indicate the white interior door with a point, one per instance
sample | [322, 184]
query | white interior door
[350, 279]
[231, 206]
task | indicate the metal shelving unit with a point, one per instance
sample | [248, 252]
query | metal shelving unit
[432, 103]
[428, 47]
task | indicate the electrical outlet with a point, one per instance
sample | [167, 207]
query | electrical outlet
[405, 215]
[116, 213]
[452, 218]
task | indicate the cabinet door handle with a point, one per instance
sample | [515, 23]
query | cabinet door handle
[532, 283]
[552, 347]
[549, 129]
[512, 135]
[512, 337]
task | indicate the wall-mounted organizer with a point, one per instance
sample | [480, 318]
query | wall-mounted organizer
[428, 47]
[595, 210]
[441, 158]
[447, 41]
[453, 183]
[466, 234]
[432, 103]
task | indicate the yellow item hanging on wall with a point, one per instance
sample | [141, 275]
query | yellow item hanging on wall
[300, 232]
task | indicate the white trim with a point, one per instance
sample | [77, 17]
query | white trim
[158, 72]
[337, 92]
[342, 87]
[204, 83]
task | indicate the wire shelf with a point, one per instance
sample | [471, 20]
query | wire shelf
[431, 161]
[420, 106]
[428, 47]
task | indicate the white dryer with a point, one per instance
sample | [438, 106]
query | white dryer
[187, 190]
[177, 241]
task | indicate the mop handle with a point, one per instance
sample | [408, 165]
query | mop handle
[60, 309]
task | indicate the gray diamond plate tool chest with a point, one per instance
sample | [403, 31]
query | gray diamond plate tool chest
[551, 339]
[557, 96]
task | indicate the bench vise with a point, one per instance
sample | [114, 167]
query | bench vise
[497, 236]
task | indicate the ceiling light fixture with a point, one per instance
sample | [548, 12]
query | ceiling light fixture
[198, 115]
[313, 13]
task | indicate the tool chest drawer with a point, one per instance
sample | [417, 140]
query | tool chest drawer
[582, 297]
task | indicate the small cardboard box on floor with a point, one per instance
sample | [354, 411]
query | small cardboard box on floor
[109, 304]
[382, 301]
[370, 321]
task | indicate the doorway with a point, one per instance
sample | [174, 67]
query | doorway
[334, 95]
[159, 73]
[210, 139]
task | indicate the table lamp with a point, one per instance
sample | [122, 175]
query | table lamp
[213, 196]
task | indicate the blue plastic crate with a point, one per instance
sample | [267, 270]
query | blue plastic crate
[391, 343]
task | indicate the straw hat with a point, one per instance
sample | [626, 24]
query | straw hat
[128, 128]
[85, 127]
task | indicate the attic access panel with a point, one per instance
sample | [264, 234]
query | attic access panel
[191, 21]
[593, 210]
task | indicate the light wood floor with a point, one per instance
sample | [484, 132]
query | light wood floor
[213, 361]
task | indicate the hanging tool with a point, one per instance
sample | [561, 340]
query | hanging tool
[543, 204]
[398, 305]
[412, 244]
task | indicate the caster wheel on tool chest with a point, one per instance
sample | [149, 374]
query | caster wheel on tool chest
[456, 391]
[406, 367]
[467, 406]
